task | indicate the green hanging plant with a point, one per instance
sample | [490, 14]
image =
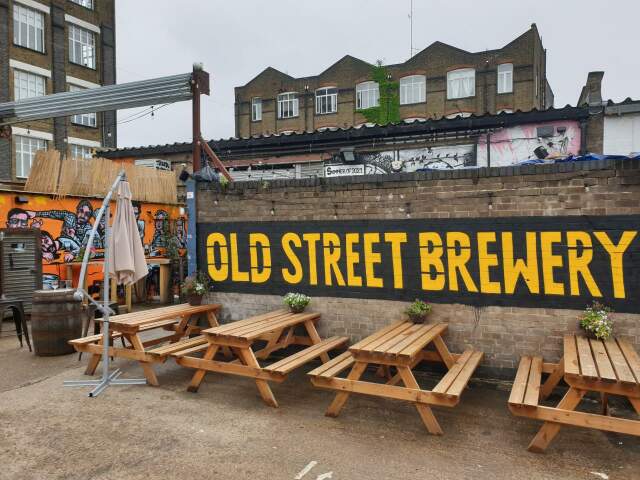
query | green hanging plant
[389, 109]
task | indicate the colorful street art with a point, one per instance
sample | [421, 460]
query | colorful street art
[508, 146]
[65, 225]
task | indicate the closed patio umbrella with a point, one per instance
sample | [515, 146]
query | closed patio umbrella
[127, 263]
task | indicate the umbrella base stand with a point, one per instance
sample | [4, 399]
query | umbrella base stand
[104, 382]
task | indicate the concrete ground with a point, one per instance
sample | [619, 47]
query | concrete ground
[225, 431]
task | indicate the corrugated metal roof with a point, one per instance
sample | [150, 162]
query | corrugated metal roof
[363, 132]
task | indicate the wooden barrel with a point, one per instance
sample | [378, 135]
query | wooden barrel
[56, 318]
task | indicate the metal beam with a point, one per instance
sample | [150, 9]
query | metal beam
[156, 91]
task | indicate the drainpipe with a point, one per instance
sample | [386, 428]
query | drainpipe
[488, 150]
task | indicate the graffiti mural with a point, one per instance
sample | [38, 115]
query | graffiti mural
[65, 225]
[410, 160]
[525, 142]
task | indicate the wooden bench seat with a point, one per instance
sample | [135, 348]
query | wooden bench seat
[91, 339]
[458, 376]
[333, 367]
[287, 365]
[179, 347]
[526, 386]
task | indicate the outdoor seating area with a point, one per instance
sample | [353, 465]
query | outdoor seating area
[610, 367]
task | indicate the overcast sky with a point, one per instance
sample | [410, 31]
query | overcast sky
[237, 39]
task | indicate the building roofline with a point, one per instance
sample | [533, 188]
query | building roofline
[359, 134]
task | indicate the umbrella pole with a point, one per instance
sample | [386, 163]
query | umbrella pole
[107, 378]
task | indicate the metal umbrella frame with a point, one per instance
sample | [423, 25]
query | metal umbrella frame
[80, 293]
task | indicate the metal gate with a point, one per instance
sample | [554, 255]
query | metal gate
[20, 264]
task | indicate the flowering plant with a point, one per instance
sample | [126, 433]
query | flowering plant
[297, 302]
[195, 284]
[596, 320]
[418, 310]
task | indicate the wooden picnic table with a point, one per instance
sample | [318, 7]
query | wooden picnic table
[401, 346]
[179, 319]
[610, 367]
[277, 329]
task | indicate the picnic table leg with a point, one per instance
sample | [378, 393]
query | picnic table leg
[425, 412]
[443, 351]
[635, 402]
[136, 343]
[341, 398]
[315, 338]
[549, 430]
[552, 381]
[249, 359]
[197, 378]
[212, 319]
[94, 360]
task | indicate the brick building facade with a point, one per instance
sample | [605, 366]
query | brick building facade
[51, 46]
[440, 81]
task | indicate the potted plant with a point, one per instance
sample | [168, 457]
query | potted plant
[418, 311]
[596, 321]
[296, 302]
[194, 287]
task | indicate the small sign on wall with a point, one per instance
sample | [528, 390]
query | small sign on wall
[343, 170]
[548, 262]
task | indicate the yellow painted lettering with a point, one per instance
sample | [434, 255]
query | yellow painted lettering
[527, 268]
[353, 280]
[550, 262]
[312, 240]
[259, 241]
[431, 252]
[457, 263]
[217, 274]
[287, 240]
[616, 253]
[370, 259]
[487, 260]
[580, 264]
[332, 253]
[396, 240]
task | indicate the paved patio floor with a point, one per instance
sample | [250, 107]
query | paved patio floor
[225, 431]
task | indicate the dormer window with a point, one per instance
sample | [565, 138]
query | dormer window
[461, 83]
[326, 100]
[288, 105]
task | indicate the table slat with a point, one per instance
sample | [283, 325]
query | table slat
[571, 364]
[391, 343]
[409, 339]
[619, 362]
[361, 345]
[231, 326]
[532, 395]
[587, 364]
[413, 348]
[605, 369]
[633, 360]
[391, 335]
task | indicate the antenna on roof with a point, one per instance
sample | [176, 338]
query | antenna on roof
[411, 29]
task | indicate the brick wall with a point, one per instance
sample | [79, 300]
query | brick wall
[503, 333]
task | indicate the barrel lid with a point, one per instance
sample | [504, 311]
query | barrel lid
[59, 291]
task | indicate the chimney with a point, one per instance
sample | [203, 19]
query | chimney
[591, 94]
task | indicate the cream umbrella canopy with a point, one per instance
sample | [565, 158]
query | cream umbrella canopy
[127, 264]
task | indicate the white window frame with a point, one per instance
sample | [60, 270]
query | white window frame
[505, 78]
[256, 109]
[326, 100]
[504, 110]
[413, 89]
[80, 151]
[367, 95]
[84, 119]
[288, 105]
[84, 3]
[28, 85]
[461, 83]
[26, 147]
[82, 46]
[28, 27]
[458, 114]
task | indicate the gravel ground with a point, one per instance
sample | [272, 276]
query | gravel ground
[225, 431]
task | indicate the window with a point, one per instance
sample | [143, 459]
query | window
[86, 119]
[85, 3]
[26, 148]
[80, 151]
[413, 89]
[27, 85]
[287, 105]
[256, 109]
[367, 95]
[82, 46]
[461, 83]
[505, 78]
[28, 28]
[326, 100]
[504, 110]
